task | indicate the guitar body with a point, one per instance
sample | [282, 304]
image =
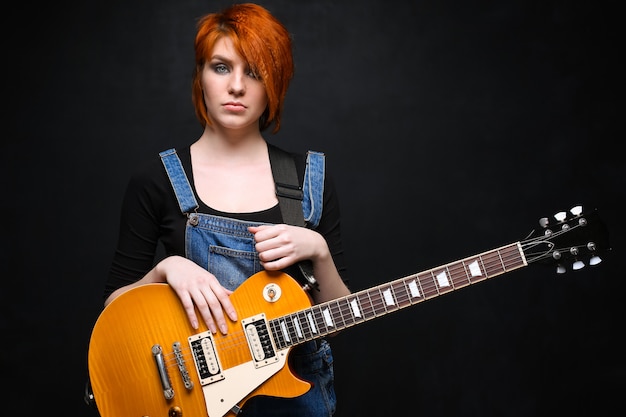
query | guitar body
[124, 372]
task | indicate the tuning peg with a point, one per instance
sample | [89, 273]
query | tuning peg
[595, 259]
[560, 216]
[560, 269]
[577, 263]
[543, 222]
[576, 210]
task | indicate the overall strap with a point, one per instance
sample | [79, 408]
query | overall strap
[184, 194]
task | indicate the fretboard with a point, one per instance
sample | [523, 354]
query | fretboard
[332, 316]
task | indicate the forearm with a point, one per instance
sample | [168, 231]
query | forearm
[331, 285]
[155, 275]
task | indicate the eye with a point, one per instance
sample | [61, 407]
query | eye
[220, 68]
[252, 74]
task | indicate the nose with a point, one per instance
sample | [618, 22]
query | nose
[237, 84]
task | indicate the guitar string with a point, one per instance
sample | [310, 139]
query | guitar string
[374, 301]
[376, 304]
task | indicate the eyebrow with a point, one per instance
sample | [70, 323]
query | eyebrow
[221, 58]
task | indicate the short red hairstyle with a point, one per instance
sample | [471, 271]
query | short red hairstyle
[262, 41]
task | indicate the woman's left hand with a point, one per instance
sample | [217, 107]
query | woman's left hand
[282, 245]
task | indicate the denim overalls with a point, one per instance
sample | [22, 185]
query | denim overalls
[226, 248]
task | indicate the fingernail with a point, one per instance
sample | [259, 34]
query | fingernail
[224, 328]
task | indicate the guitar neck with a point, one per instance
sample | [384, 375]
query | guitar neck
[333, 316]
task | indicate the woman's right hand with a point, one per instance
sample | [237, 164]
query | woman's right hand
[196, 287]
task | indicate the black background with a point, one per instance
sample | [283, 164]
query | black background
[450, 127]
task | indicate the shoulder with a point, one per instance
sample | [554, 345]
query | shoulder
[150, 175]
[300, 158]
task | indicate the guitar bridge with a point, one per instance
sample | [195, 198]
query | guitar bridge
[259, 341]
[206, 359]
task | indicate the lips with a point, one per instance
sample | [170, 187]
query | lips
[234, 106]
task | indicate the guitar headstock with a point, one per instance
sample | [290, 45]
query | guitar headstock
[568, 239]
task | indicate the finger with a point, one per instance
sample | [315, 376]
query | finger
[223, 296]
[256, 229]
[217, 303]
[265, 232]
[211, 311]
[189, 308]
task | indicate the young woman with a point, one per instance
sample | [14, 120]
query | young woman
[213, 205]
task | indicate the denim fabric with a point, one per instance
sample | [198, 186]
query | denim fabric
[313, 188]
[176, 174]
[223, 246]
[226, 249]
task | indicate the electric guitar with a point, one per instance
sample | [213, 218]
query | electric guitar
[145, 359]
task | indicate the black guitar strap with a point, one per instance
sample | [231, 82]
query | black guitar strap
[290, 195]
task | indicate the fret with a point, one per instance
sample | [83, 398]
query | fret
[354, 306]
[427, 282]
[481, 274]
[407, 298]
[296, 327]
[458, 275]
[412, 289]
[367, 308]
[419, 290]
[346, 312]
[295, 320]
[285, 331]
[351, 310]
[378, 302]
[389, 298]
[367, 304]
[278, 338]
[438, 279]
[337, 314]
[448, 281]
[305, 324]
[318, 320]
[519, 260]
[495, 264]
[403, 298]
[312, 322]
[323, 320]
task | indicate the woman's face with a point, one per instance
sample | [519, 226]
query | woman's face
[234, 97]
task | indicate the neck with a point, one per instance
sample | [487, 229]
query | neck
[243, 146]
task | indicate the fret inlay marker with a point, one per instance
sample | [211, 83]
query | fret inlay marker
[296, 323]
[388, 297]
[355, 308]
[329, 321]
[475, 269]
[311, 322]
[284, 330]
[442, 278]
[415, 292]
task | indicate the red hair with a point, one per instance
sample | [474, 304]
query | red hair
[262, 41]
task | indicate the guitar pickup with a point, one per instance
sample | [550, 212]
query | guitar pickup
[259, 341]
[206, 358]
